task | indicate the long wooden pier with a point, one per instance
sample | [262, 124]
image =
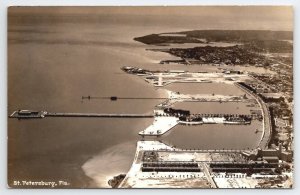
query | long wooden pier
[57, 114]
[27, 114]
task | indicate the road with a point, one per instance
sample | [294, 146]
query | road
[208, 175]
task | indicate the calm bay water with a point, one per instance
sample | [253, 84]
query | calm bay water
[52, 64]
[222, 136]
[215, 107]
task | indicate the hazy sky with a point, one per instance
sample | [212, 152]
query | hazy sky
[241, 17]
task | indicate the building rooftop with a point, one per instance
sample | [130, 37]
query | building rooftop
[271, 95]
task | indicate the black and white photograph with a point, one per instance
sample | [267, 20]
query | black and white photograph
[150, 97]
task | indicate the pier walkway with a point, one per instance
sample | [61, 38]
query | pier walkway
[56, 114]
[41, 114]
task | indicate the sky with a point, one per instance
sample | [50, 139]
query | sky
[243, 17]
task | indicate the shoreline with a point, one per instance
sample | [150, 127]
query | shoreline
[266, 119]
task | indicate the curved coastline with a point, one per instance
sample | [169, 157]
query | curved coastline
[267, 128]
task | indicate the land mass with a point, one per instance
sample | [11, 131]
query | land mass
[198, 36]
[249, 45]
